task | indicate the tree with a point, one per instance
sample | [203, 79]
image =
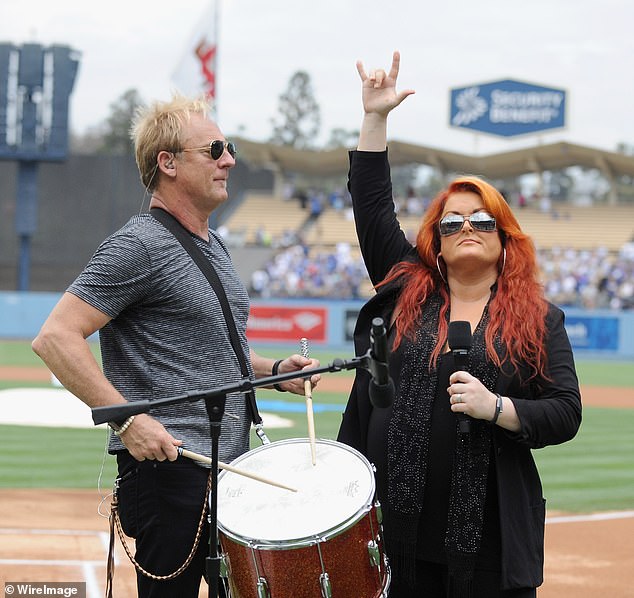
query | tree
[342, 138]
[116, 136]
[87, 143]
[299, 114]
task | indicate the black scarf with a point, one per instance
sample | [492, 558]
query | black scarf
[408, 450]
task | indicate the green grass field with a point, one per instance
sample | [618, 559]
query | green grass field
[593, 472]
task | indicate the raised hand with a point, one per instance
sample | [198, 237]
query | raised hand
[379, 88]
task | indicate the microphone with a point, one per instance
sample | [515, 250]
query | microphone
[459, 339]
[381, 388]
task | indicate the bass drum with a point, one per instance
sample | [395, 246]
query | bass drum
[323, 540]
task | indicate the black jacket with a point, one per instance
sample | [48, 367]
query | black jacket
[548, 415]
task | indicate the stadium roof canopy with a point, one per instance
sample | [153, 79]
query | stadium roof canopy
[540, 158]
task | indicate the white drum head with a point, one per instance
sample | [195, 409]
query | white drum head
[329, 494]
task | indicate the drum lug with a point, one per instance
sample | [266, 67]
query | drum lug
[263, 588]
[224, 567]
[326, 588]
[375, 554]
[379, 511]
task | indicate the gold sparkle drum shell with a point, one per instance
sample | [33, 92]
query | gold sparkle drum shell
[323, 540]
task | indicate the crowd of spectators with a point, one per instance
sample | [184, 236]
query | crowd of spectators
[592, 279]
[299, 271]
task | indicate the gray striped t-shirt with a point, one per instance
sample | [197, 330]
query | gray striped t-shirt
[168, 335]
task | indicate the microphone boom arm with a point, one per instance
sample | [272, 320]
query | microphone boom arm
[101, 415]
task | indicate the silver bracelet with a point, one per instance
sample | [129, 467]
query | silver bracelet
[125, 426]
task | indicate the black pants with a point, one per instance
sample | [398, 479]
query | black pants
[160, 504]
[431, 582]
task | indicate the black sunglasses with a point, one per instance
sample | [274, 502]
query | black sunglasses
[480, 221]
[215, 148]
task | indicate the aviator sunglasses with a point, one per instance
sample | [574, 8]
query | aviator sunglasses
[480, 221]
[215, 148]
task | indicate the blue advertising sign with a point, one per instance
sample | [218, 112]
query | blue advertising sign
[595, 333]
[507, 108]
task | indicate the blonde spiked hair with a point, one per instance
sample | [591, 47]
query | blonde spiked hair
[159, 127]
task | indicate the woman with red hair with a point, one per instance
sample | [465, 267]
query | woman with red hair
[461, 497]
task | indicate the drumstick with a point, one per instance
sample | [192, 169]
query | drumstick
[246, 474]
[308, 392]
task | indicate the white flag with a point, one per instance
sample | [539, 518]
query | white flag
[196, 72]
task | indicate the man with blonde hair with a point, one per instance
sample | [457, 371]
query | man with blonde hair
[162, 333]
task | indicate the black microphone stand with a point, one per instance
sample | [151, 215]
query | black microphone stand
[215, 405]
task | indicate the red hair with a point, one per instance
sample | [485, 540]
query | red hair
[518, 309]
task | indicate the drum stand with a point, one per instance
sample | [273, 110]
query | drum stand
[215, 404]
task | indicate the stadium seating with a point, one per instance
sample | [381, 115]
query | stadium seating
[566, 226]
[578, 249]
[579, 227]
[266, 212]
[569, 226]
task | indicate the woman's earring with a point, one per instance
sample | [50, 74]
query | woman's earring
[439, 270]
[503, 261]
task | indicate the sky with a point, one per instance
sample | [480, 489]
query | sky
[585, 47]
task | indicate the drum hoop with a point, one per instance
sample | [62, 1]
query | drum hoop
[260, 544]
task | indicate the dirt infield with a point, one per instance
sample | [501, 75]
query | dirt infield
[595, 396]
[591, 395]
[58, 535]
